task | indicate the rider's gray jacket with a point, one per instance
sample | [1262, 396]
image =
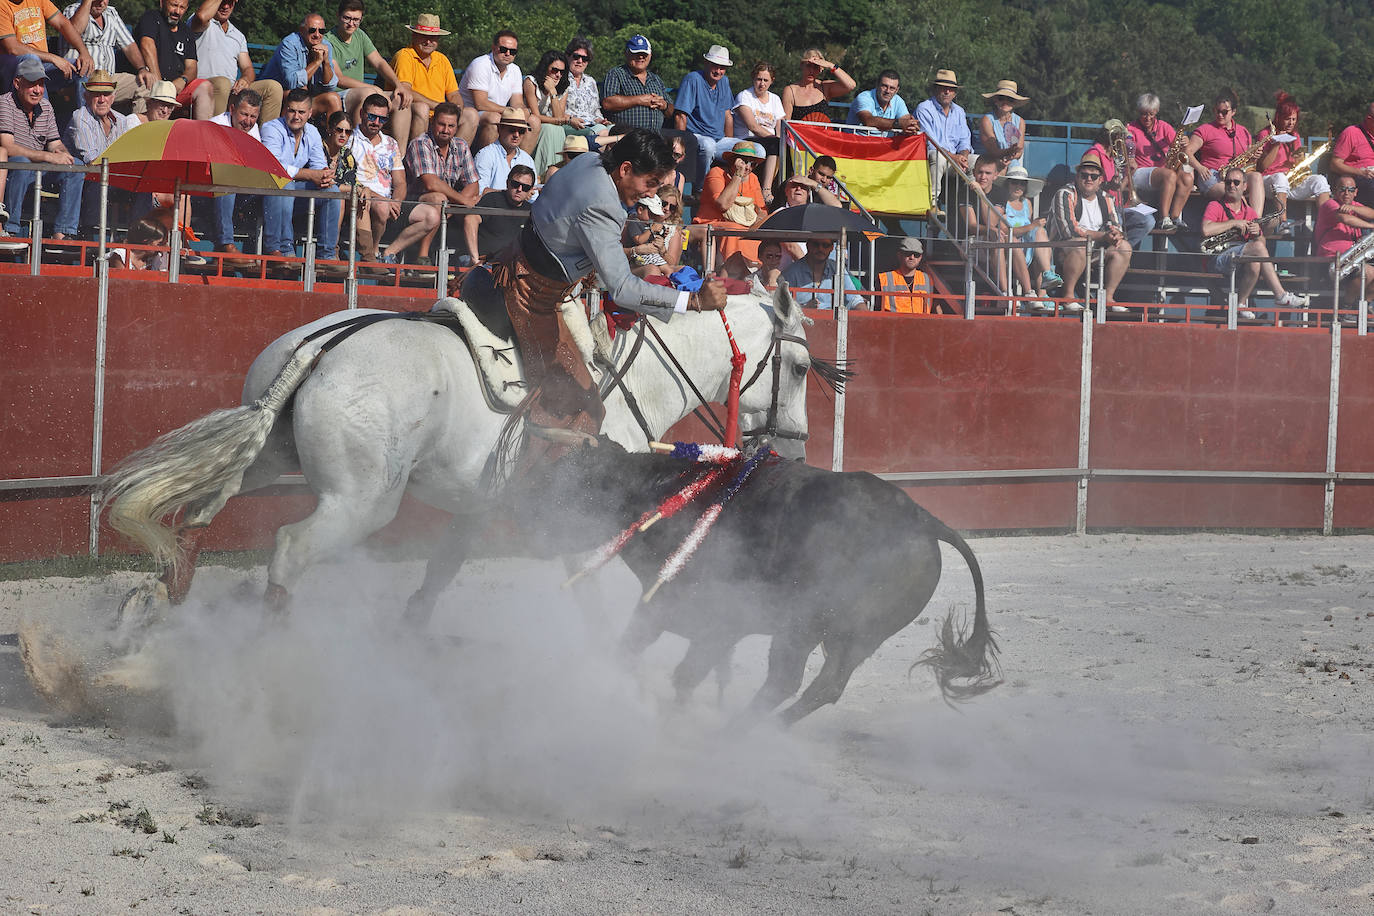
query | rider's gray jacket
[579, 218]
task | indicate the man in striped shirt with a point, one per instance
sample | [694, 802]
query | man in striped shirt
[94, 126]
[104, 32]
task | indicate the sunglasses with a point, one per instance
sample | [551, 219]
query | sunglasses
[1232, 182]
[314, 31]
[517, 130]
[520, 186]
[374, 118]
[342, 129]
[502, 49]
[1351, 189]
[1090, 176]
[557, 70]
[578, 57]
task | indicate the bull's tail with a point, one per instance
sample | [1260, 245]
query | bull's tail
[965, 666]
[197, 467]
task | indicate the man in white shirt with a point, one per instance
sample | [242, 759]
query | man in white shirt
[381, 174]
[242, 115]
[223, 54]
[488, 85]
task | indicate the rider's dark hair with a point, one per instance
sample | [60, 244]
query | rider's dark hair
[646, 151]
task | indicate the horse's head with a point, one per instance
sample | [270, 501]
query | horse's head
[773, 396]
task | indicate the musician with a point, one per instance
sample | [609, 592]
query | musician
[1154, 180]
[1233, 213]
[574, 230]
[1280, 158]
[1341, 222]
[1353, 156]
[1113, 156]
[1214, 145]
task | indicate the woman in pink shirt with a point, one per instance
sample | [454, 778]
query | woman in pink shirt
[1279, 158]
[1214, 145]
[1168, 188]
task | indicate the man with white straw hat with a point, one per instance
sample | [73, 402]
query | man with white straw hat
[1003, 131]
[705, 107]
[882, 108]
[490, 83]
[946, 124]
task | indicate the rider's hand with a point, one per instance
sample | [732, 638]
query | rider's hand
[711, 297]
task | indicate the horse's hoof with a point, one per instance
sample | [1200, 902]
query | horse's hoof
[140, 610]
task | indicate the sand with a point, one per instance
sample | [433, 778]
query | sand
[1185, 727]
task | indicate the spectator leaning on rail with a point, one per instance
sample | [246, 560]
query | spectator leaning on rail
[490, 84]
[704, 107]
[381, 175]
[28, 133]
[1002, 130]
[353, 52]
[487, 237]
[817, 271]
[439, 171]
[1080, 211]
[297, 145]
[169, 49]
[24, 31]
[304, 60]
[1279, 158]
[495, 161]
[1340, 224]
[93, 127]
[242, 115]
[103, 31]
[1232, 212]
[910, 286]
[882, 108]
[222, 58]
[1168, 189]
[1352, 156]
[946, 124]
[1119, 185]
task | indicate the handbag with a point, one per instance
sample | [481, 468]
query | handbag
[742, 211]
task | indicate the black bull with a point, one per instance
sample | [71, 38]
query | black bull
[807, 556]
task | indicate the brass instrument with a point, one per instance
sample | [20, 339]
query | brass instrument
[1216, 244]
[1357, 254]
[1178, 151]
[1250, 157]
[1303, 170]
[1125, 186]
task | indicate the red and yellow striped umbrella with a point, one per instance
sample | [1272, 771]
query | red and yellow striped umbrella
[152, 157]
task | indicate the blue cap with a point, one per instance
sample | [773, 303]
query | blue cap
[30, 68]
[638, 45]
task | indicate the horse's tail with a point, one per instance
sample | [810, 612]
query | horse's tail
[202, 462]
[971, 659]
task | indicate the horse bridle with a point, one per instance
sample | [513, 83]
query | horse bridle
[770, 427]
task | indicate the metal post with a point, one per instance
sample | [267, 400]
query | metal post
[837, 301]
[1101, 303]
[174, 258]
[1332, 411]
[441, 262]
[1362, 305]
[1336, 290]
[841, 351]
[308, 276]
[1232, 307]
[968, 280]
[1085, 390]
[351, 284]
[36, 227]
[102, 309]
[708, 254]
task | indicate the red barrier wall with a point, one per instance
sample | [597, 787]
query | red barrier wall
[931, 394]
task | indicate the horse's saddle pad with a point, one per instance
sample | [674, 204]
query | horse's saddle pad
[486, 328]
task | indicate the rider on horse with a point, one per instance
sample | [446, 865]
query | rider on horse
[574, 232]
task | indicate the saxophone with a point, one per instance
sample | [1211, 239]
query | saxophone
[1354, 256]
[1178, 151]
[1303, 170]
[1250, 157]
[1216, 244]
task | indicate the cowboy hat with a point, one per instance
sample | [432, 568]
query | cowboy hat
[1018, 173]
[163, 91]
[718, 55]
[574, 145]
[746, 148]
[428, 24]
[1007, 90]
[100, 81]
[513, 117]
[946, 78]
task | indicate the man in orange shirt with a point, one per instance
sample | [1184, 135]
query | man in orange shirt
[24, 30]
[908, 281]
[429, 75]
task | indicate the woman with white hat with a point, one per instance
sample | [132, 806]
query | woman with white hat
[1023, 224]
[1003, 131]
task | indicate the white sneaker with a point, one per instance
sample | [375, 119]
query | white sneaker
[1247, 315]
[1073, 306]
[1119, 309]
[1292, 301]
[1044, 305]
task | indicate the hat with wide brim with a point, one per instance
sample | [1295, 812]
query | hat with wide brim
[1016, 173]
[428, 24]
[100, 81]
[946, 78]
[747, 149]
[574, 145]
[1007, 90]
[513, 117]
[163, 91]
[718, 55]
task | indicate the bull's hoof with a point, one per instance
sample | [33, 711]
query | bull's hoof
[143, 608]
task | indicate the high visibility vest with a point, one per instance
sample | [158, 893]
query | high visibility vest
[913, 299]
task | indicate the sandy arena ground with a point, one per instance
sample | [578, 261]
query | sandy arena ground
[1185, 728]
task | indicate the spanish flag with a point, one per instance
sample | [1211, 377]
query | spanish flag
[884, 174]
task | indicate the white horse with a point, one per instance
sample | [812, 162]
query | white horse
[397, 407]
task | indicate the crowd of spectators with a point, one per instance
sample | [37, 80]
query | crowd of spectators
[419, 137]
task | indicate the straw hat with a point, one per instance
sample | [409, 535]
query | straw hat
[513, 117]
[746, 148]
[574, 145]
[100, 81]
[946, 78]
[428, 24]
[163, 91]
[1017, 173]
[718, 55]
[1007, 89]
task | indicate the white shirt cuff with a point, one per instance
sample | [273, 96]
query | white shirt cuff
[681, 305]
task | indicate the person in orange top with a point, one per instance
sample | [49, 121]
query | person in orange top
[732, 198]
[428, 72]
[910, 284]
